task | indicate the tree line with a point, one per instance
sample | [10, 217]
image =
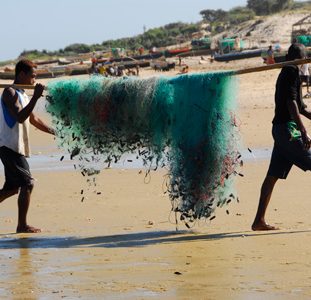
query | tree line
[176, 33]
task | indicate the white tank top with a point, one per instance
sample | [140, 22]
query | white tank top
[15, 135]
[304, 70]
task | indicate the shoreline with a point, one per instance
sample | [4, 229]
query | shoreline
[60, 161]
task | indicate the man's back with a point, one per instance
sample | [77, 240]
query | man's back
[287, 89]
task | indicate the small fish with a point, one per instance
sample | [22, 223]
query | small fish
[177, 273]
[74, 153]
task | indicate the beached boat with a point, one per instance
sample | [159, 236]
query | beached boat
[238, 55]
[130, 64]
[148, 56]
[281, 56]
[176, 52]
[7, 75]
[65, 61]
[41, 73]
[194, 52]
[153, 55]
[46, 62]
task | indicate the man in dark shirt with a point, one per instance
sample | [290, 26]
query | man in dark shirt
[291, 141]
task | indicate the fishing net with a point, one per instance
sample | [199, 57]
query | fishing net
[186, 123]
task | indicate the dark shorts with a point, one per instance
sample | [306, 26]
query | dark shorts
[16, 169]
[305, 78]
[287, 152]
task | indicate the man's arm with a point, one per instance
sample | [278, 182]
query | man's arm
[40, 124]
[10, 98]
[295, 114]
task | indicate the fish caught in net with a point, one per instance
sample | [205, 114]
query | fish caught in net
[186, 123]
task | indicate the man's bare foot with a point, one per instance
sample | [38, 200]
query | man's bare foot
[27, 229]
[261, 226]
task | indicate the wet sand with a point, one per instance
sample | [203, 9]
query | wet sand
[121, 241]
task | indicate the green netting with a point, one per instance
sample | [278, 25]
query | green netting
[304, 39]
[186, 123]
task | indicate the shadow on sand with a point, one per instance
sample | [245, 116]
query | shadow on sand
[139, 239]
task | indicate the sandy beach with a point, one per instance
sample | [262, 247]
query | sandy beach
[121, 241]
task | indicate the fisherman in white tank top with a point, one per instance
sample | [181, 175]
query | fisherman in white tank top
[305, 77]
[15, 135]
[16, 113]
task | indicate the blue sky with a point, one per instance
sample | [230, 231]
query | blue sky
[55, 24]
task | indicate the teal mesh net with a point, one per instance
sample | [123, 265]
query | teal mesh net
[186, 123]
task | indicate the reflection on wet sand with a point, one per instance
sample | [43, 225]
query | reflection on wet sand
[18, 273]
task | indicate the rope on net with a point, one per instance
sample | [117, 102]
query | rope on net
[186, 123]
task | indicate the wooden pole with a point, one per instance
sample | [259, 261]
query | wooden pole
[17, 86]
[273, 66]
[237, 72]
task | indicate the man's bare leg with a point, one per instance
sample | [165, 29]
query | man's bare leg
[23, 205]
[4, 194]
[265, 195]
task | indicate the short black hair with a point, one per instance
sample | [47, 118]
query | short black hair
[296, 51]
[24, 65]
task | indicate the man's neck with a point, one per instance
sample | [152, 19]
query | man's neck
[16, 82]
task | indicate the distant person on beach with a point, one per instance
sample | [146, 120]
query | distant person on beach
[184, 70]
[270, 56]
[94, 68]
[305, 77]
[291, 141]
[16, 114]
[179, 61]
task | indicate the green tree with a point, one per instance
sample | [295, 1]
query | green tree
[266, 7]
[260, 7]
[238, 15]
[78, 48]
[280, 5]
[211, 15]
[156, 37]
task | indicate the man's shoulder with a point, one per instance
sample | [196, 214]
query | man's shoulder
[290, 67]
[290, 71]
[9, 94]
[9, 90]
